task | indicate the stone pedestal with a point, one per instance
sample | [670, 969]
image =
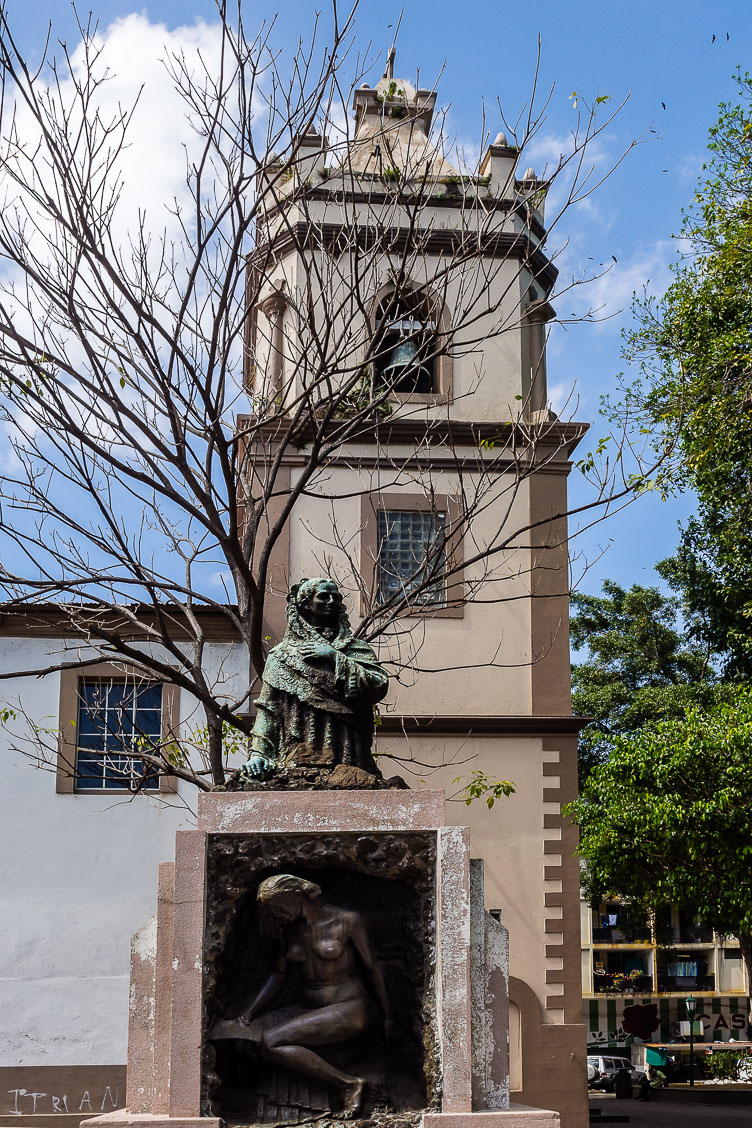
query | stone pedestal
[466, 950]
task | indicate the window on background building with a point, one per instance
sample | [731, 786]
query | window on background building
[116, 719]
[682, 968]
[411, 548]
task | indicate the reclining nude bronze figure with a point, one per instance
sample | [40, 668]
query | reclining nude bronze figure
[341, 995]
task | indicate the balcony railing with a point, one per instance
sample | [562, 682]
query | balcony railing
[694, 934]
[611, 935]
[686, 932]
[604, 985]
[685, 982]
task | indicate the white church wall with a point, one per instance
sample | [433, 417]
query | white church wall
[79, 877]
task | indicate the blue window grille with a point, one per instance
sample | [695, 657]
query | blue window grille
[411, 549]
[116, 719]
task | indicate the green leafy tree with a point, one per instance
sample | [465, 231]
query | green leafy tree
[668, 817]
[644, 662]
[694, 347]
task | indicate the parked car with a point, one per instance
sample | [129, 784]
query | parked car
[602, 1071]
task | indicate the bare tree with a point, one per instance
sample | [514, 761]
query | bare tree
[156, 389]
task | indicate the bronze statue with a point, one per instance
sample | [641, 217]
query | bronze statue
[341, 993]
[319, 686]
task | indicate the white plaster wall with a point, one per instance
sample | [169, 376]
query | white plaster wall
[79, 877]
[730, 974]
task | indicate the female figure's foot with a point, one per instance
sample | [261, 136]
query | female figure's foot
[352, 1095]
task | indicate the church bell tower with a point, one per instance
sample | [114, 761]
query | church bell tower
[396, 353]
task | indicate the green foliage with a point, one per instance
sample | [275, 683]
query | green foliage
[694, 348]
[622, 981]
[633, 923]
[392, 91]
[392, 94]
[234, 741]
[725, 1064]
[644, 663]
[587, 464]
[362, 396]
[668, 817]
[482, 786]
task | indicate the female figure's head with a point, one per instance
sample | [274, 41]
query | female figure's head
[284, 896]
[320, 603]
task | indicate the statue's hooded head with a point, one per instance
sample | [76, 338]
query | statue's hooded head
[319, 604]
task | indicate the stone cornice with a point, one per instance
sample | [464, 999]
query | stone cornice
[339, 236]
[380, 195]
[458, 724]
[450, 433]
[82, 622]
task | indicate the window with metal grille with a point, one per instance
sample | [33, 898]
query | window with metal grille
[116, 719]
[411, 548]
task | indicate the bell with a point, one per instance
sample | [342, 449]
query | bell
[403, 371]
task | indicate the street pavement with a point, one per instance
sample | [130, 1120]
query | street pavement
[671, 1113]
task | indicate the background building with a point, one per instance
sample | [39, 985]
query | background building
[630, 966]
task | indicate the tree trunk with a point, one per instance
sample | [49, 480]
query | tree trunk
[214, 726]
[745, 944]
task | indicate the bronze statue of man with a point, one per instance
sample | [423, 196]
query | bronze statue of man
[319, 686]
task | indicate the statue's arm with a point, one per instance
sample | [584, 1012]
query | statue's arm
[359, 937]
[267, 992]
[264, 735]
[363, 675]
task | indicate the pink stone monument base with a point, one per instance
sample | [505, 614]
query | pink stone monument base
[305, 812]
[122, 1119]
[164, 1060]
[516, 1116]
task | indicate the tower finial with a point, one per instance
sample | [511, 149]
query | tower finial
[389, 72]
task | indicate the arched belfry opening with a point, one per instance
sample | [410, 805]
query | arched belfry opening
[405, 345]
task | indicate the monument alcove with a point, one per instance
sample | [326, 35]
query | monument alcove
[389, 882]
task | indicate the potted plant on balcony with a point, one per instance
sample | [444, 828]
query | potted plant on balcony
[625, 982]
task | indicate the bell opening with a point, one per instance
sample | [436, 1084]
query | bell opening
[403, 341]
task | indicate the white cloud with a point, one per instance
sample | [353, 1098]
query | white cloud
[152, 167]
[130, 70]
[546, 152]
[612, 292]
[222, 579]
[127, 66]
[161, 135]
[564, 399]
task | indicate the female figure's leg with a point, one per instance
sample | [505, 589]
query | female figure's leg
[288, 1045]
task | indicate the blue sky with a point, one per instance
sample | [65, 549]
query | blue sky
[663, 53]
